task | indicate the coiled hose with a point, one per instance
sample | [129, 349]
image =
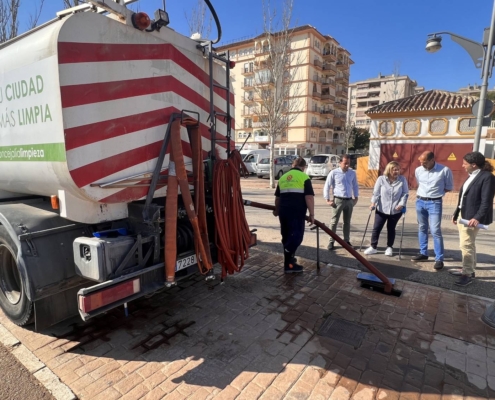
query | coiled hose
[232, 235]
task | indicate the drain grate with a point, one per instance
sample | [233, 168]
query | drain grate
[343, 331]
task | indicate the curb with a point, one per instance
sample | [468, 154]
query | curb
[39, 370]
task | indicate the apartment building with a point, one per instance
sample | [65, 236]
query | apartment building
[372, 92]
[473, 90]
[323, 80]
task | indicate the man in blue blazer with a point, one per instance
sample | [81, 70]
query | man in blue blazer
[475, 206]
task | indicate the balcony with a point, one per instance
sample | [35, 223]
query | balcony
[247, 71]
[327, 97]
[340, 105]
[344, 78]
[247, 85]
[341, 66]
[322, 139]
[318, 64]
[329, 56]
[327, 125]
[330, 69]
[341, 93]
[337, 141]
[327, 111]
[316, 94]
[327, 82]
[261, 138]
[258, 124]
[247, 99]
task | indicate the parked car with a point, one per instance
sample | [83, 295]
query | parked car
[320, 165]
[251, 158]
[282, 165]
[291, 157]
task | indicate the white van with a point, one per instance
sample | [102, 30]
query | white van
[320, 165]
[251, 158]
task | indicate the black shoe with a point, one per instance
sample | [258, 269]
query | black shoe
[464, 280]
[438, 265]
[331, 246]
[458, 272]
[419, 257]
[290, 264]
[350, 245]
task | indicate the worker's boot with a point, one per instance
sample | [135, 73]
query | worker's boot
[290, 264]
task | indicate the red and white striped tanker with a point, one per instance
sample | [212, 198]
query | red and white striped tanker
[84, 106]
[103, 118]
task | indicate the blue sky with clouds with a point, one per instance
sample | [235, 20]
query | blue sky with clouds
[378, 33]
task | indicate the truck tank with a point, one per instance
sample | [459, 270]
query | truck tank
[85, 102]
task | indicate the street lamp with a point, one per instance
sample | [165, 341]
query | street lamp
[482, 55]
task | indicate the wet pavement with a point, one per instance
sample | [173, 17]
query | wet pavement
[259, 335]
[264, 334]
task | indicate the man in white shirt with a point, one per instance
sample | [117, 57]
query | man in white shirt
[475, 205]
[343, 182]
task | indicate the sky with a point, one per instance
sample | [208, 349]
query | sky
[380, 34]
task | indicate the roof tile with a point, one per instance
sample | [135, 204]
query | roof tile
[425, 101]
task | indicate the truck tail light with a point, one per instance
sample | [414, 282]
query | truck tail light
[140, 20]
[55, 202]
[107, 296]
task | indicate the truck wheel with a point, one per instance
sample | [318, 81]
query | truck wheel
[13, 299]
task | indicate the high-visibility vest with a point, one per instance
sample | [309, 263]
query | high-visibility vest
[292, 182]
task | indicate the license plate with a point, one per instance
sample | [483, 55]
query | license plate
[185, 262]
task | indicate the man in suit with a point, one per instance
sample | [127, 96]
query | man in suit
[475, 205]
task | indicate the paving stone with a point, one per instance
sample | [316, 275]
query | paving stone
[387, 394]
[429, 393]
[340, 393]
[251, 391]
[392, 380]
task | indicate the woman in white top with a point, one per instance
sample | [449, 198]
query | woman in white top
[389, 198]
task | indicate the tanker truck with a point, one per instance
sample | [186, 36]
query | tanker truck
[115, 160]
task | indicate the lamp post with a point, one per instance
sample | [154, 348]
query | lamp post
[482, 55]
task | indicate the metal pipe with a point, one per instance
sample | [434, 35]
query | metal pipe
[387, 284]
[487, 64]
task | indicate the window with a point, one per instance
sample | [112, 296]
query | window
[411, 127]
[386, 128]
[438, 126]
[466, 126]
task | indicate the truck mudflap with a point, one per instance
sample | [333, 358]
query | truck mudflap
[102, 297]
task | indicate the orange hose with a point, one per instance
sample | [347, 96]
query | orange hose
[199, 187]
[171, 208]
[387, 284]
[232, 235]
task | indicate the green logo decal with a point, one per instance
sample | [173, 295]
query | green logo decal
[33, 152]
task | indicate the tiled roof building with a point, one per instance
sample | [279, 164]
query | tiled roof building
[435, 120]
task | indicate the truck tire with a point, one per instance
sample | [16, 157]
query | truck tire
[13, 299]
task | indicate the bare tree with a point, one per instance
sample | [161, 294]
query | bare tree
[275, 85]
[72, 3]
[197, 21]
[9, 18]
[395, 90]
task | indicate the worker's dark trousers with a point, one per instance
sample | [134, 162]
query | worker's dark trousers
[292, 230]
